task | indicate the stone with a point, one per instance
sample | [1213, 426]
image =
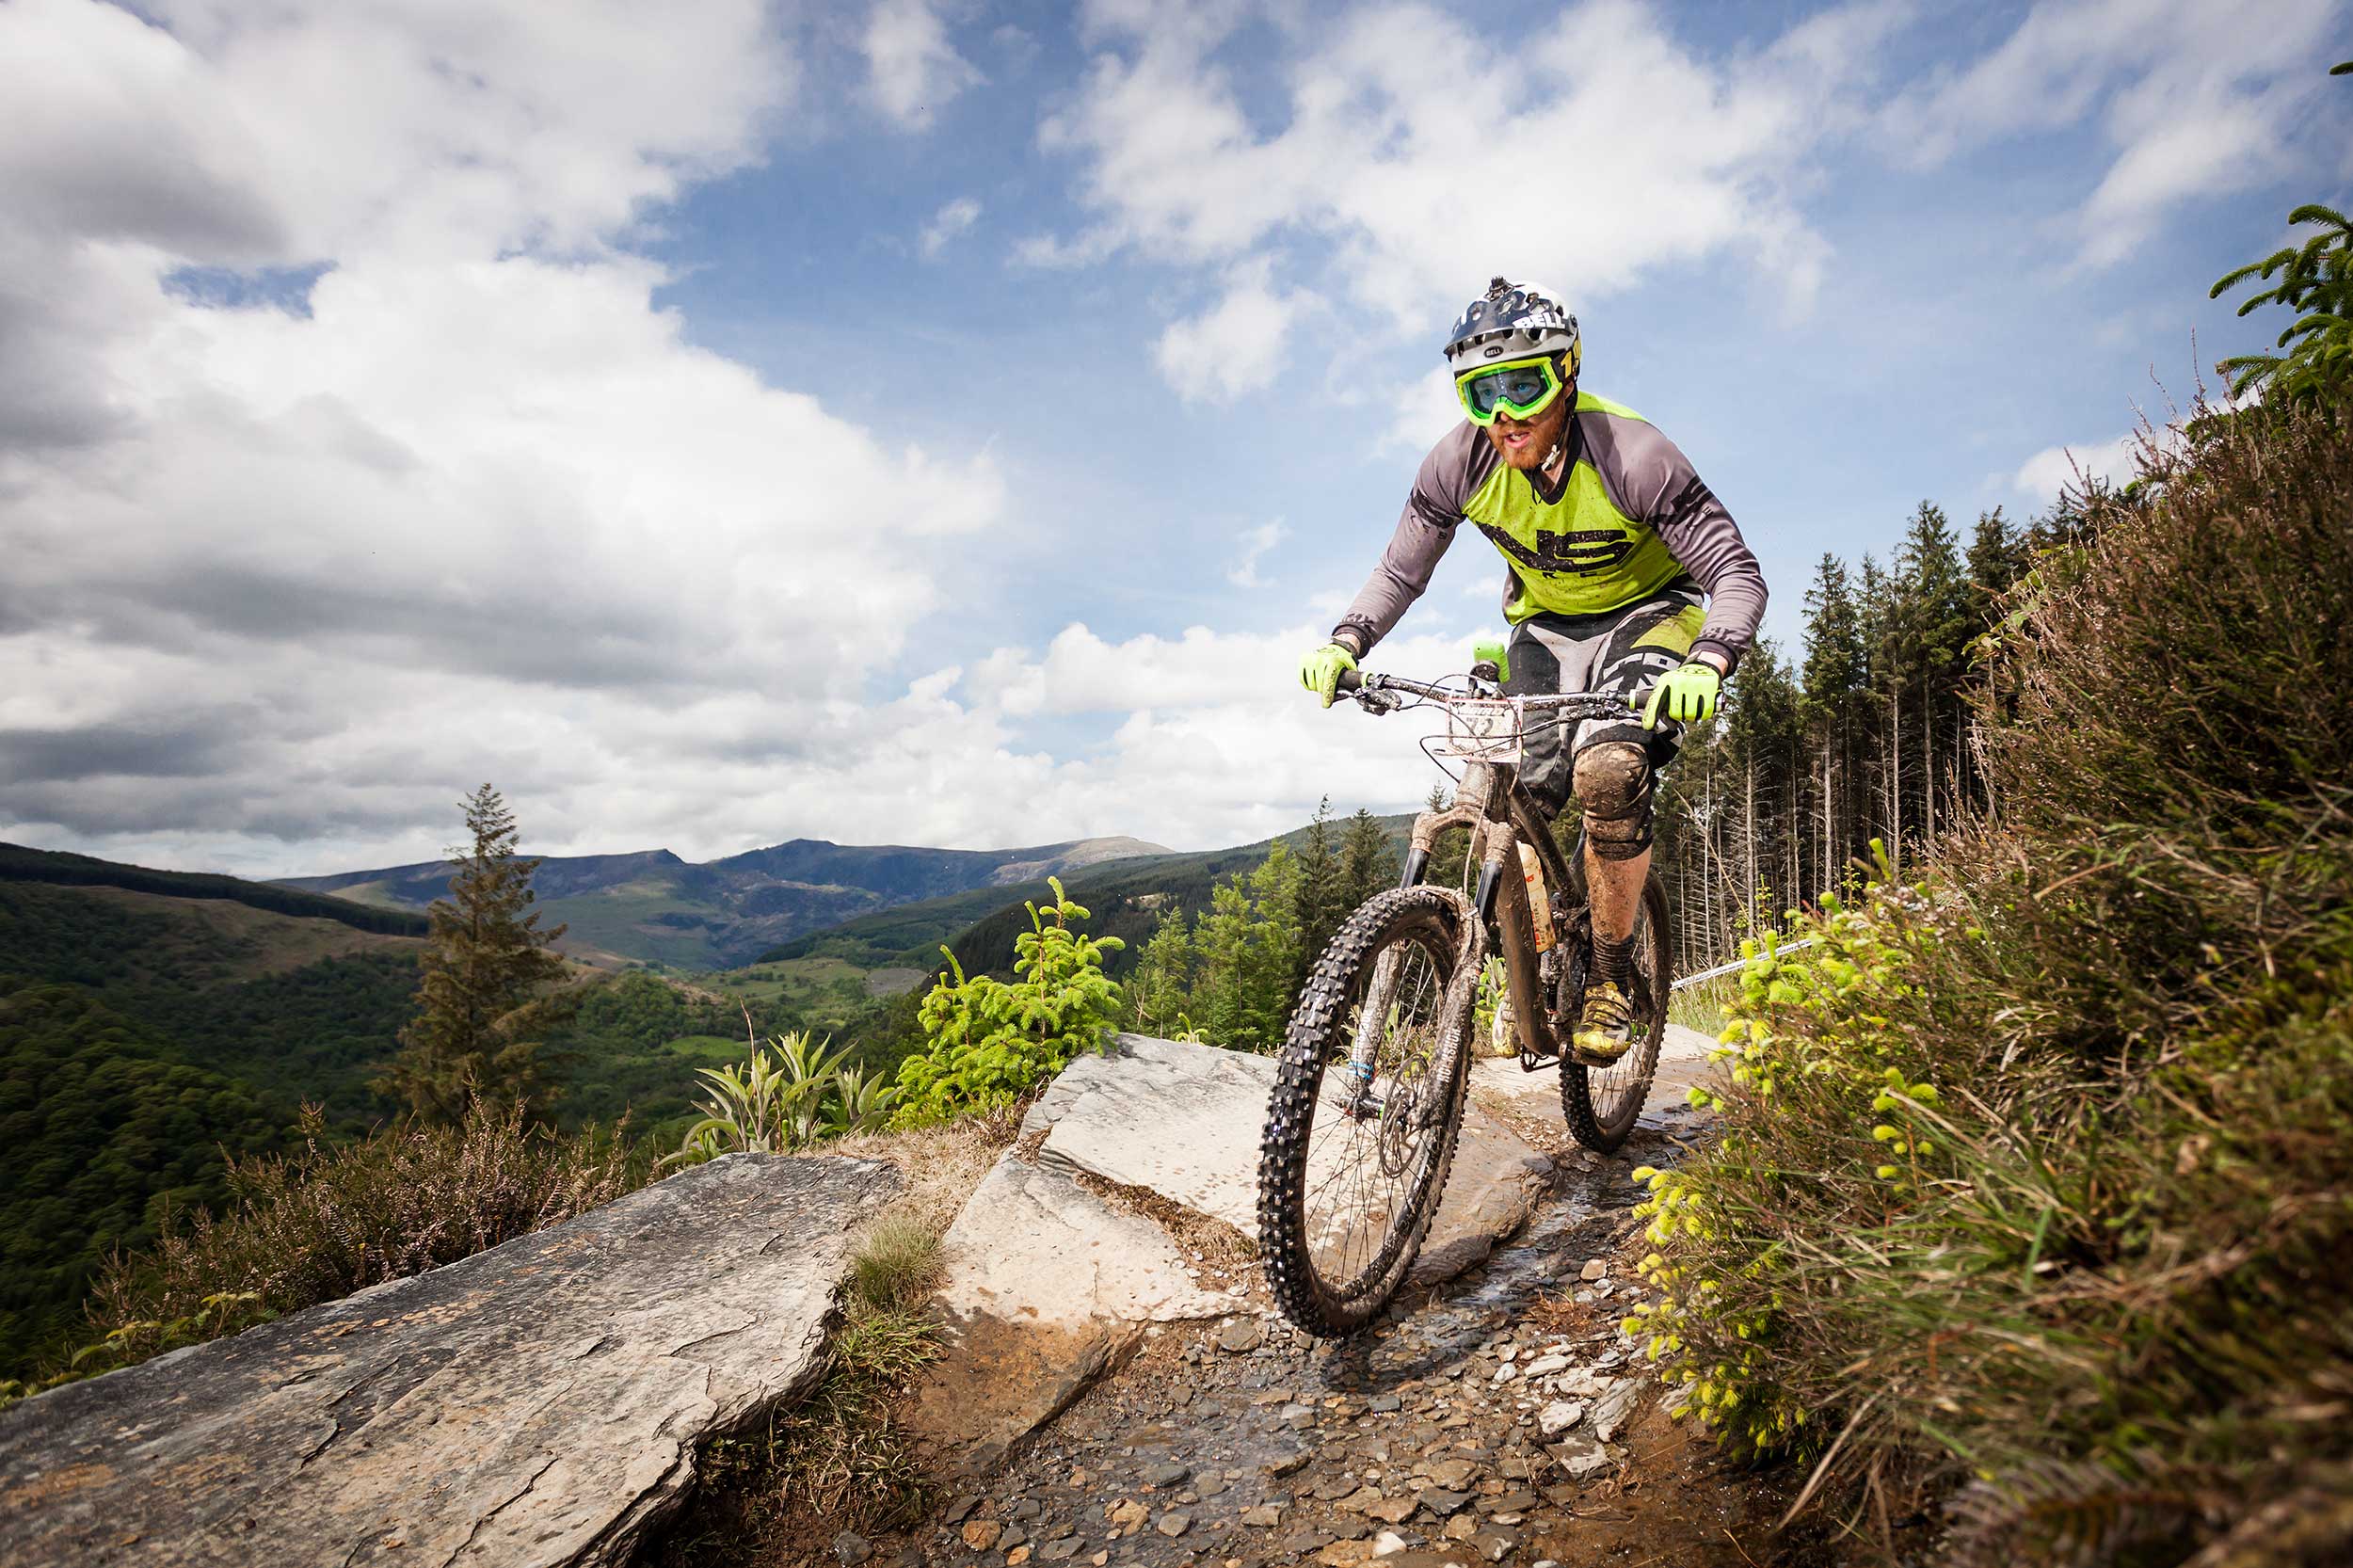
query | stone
[851, 1549]
[1558, 1417]
[1443, 1503]
[1611, 1409]
[981, 1534]
[1596, 1268]
[1289, 1464]
[1184, 1120]
[1017, 1557]
[540, 1402]
[1495, 1545]
[1173, 1523]
[1454, 1474]
[1382, 1404]
[1058, 1551]
[1344, 1553]
[1388, 1544]
[1580, 1456]
[1263, 1516]
[1167, 1475]
[1046, 1288]
[1298, 1417]
[1461, 1528]
[959, 1510]
[1391, 1510]
[1211, 1487]
[1127, 1515]
[1545, 1366]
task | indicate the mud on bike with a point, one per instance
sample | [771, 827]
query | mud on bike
[1374, 1070]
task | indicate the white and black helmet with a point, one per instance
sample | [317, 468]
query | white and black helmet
[1513, 321]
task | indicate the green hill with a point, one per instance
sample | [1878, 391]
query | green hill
[19, 863]
[1127, 897]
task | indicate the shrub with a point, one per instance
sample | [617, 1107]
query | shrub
[775, 1106]
[319, 1225]
[987, 1043]
[2032, 1177]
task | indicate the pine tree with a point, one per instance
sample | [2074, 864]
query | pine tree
[1322, 897]
[488, 993]
[1368, 861]
[1157, 993]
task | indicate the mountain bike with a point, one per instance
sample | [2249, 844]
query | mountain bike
[1369, 1088]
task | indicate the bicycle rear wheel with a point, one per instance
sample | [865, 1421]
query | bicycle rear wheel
[1600, 1104]
[1367, 1099]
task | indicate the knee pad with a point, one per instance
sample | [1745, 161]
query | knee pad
[1613, 783]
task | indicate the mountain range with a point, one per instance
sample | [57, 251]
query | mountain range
[652, 906]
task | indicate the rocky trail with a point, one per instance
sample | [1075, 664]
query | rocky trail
[1494, 1416]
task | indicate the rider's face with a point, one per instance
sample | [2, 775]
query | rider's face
[1523, 443]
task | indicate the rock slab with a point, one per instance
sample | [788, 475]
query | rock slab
[536, 1404]
[1184, 1121]
[1046, 1288]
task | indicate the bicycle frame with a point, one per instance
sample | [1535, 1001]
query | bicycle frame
[1495, 808]
[1501, 815]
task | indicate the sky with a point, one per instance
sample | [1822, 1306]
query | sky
[932, 422]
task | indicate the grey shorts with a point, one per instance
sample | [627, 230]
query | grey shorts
[1619, 653]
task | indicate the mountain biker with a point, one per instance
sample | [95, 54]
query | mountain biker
[1610, 541]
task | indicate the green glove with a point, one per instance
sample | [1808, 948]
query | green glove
[1689, 694]
[1320, 672]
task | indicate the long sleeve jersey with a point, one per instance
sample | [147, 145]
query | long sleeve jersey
[1630, 521]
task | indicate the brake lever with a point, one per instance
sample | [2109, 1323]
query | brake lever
[1375, 701]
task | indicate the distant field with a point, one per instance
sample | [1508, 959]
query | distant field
[627, 920]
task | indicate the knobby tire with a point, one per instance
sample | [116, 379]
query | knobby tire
[1429, 919]
[1582, 1104]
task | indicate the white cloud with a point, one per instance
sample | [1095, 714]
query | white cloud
[2193, 98]
[1256, 542]
[1424, 409]
[1215, 734]
[1235, 346]
[913, 71]
[1418, 198]
[283, 583]
[2061, 467]
[956, 217]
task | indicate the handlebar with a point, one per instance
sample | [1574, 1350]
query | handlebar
[1371, 689]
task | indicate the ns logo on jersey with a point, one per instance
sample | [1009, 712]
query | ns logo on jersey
[1582, 552]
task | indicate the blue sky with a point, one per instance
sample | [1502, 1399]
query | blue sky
[940, 422]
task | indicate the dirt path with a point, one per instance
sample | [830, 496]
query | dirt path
[1499, 1420]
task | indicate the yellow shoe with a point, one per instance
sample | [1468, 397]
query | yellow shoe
[1605, 1030]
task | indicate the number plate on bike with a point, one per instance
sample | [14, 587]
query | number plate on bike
[1481, 731]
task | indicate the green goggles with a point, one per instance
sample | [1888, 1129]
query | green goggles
[1522, 389]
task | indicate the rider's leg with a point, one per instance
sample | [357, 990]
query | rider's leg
[1613, 784]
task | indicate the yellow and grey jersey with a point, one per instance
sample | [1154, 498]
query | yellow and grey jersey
[1629, 520]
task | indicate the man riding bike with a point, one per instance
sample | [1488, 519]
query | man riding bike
[1610, 540]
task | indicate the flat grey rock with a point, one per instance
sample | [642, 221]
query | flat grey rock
[1046, 1288]
[538, 1404]
[1184, 1121]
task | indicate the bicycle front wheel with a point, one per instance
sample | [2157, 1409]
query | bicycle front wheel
[1600, 1104]
[1367, 1099]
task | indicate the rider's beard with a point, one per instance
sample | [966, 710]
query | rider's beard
[1538, 436]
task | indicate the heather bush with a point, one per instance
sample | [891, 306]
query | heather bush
[2033, 1191]
[332, 1219]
